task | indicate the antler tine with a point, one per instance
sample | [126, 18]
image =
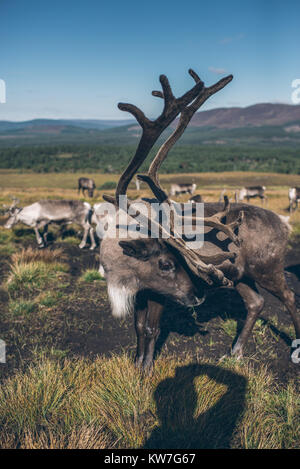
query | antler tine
[136, 112]
[215, 221]
[167, 91]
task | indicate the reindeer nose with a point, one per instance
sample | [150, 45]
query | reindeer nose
[199, 301]
[194, 300]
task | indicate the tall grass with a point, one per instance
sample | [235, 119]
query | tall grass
[31, 277]
[32, 255]
[108, 403]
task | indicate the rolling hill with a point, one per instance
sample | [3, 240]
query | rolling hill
[260, 124]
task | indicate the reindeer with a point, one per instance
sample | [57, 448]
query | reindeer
[40, 214]
[178, 189]
[244, 245]
[251, 192]
[86, 184]
[294, 196]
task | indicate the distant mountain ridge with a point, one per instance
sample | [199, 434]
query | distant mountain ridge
[97, 124]
[257, 125]
[257, 115]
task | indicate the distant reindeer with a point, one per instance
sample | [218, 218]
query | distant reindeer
[294, 196]
[252, 192]
[86, 184]
[40, 214]
[178, 189]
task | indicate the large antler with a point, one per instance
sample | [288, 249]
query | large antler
[186, 105]
[186, 115]
[151, 130]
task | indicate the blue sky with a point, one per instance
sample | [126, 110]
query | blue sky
[78, 59]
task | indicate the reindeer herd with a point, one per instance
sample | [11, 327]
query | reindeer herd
[244, 245]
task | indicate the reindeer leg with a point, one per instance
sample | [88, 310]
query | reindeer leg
[85, 235]
[45, 234]
[140, 324]
[38, 237]
[152, 331]
[278, 287]
[93, 245]
[254, 303]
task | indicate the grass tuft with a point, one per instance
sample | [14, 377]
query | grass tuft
[31, 277]
[31, 255]
[90, 275]
[21, 307]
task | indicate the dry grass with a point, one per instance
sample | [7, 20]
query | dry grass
[30, 277]
[83, 437]
[32, 255]
[107, 403]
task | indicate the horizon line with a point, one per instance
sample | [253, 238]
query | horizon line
[151, 117]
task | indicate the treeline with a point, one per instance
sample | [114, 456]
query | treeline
[183, 158]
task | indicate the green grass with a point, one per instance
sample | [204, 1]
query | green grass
[90, 275]
[229, 326]
[33, 276]
[21, 307]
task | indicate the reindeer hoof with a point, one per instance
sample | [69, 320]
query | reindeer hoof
[138, 362]
[237, 352]
[148, 368]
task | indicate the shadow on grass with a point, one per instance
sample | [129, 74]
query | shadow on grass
[177, 402]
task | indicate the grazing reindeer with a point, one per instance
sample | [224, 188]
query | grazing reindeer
[86, 184]
[178, 189]
[244, 245]
[251, 192]
[294, 196]
[40, 214]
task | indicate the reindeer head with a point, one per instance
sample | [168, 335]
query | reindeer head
[13, 212]
[135, 265]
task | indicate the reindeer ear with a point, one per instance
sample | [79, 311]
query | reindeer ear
[138, 248]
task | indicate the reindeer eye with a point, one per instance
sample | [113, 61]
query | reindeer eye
[166, 265]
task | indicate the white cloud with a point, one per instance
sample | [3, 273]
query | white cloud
[218, 71]
[227, 40]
